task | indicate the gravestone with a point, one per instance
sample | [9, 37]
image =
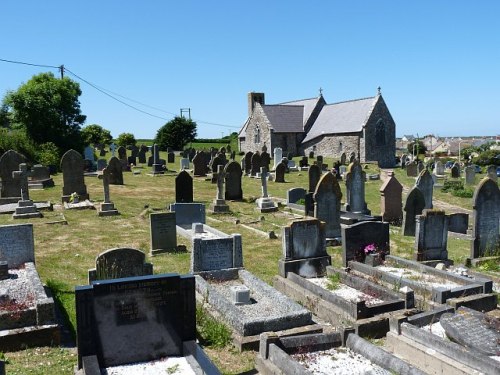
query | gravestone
[214, 166]
[17, 245]
[184, 164]
[264, 203]
[210, 254]
[135, 319]
[470, 175]
[248, 162]
[9, 162]
[219, 205]
[455, 171]
[88, 153]
[200, 164]
[420, 167]
[122, 156]
[278, 156]
[191, 154]
[73, 177]
[439, 168]
[134, 151]
[184, 188]
[356, 237]
[112, 148]
[25, 208]
[256, 164]
[391, 203]
[265, 159]
[314, 174]
[458, 222]
[233, 174]
[304, 162]
[141, 155]
[115, 171]
[304, 249]
[343, 158]
[118, 263]
[426, 185]
[327, 197]
[295, 194]
[352, 157]
[188, 213]
[491, 172]
[280, 173]
[319, 162]
[40, 177]
[486, 219]
[411, 170]
[157, 165]
[414, 205]
[101, 164]
[404, 161]
[431, 236]
[171, 157]
[163, 232]
[107, 208]
[355, 189]
[132, 160]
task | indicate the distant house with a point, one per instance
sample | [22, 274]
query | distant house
[363, 127]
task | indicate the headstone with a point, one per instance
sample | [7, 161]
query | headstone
[122, 156]
[265, 160]
[9, 162]
[280, 172]
[107, 208]
[455, 171]
[135, 319]
[118, 263]
[163, 232]
[220, 205]
[184, 188]
[431, 236]
[420, 167]
[314, 176]
[17, 245]
[295, 194]
[134, 151]
[188, 213]
[426, 185]
[73, 178]
[112, 148]
[157, 166]
[184, 164]
[278, 156]
[414, 205]
[352, 157]
[470, 175]
[115, 171]
[214, 166]
[256, 164]
[439, 168]
[404, 161]
[171, 157]
[304, 162]
[132, 160]
[342, 170]
[391, 195]
[210, 254]
[233, 174]
[88, 153]
[199, 164]
[343, 158]
[141, 155]
[327, 197]
[491, 172]
[355, 189]
[458, 222]
[248, 162]
[304, 249]
[486, 219]
[319, 162]
[191, 154]
[101, 164]
[356, 238]
[411, 170]
[264, 203]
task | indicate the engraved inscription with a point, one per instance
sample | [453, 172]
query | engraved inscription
[217, 254]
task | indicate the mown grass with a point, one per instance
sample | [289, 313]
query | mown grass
[64, 253]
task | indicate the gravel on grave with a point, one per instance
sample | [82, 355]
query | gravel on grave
[340, 361]
[17, 287]
[346, 292]
[171, 365]
[417, 276]
[260, 306]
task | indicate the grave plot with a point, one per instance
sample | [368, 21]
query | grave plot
[430, 284]
[145, 322]
[27, 316]
[443, 341]
[327, 354]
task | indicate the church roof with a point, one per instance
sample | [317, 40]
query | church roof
[308, 104]
[285, 118]
[343, 117]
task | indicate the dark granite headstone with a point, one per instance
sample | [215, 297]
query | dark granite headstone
[256, 164]
[115, 171]
[122, 156]
[184, 188]
[163, 232]
[280, 172]
[414, 205]
[9, 162]
[355, 189]
[73, 177]
[455, 171]
[458, 222]
[170, 157]
[200, 164]
[304, 162]
[295, 194]
[356, 237]
[411, 170]
[426, 185]
[233, 174]
[314, 176]
[327, 197]
[431, 236]
[248, 162]
[265, 160]
[132, 160]
[188, 213]
[118, 263]
[135, 319]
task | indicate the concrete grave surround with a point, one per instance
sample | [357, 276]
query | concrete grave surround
[431, 236]
[355, 189]
[426, 184]
[327, 197]
[184, 187]
[163, 232]
[73, 177]
[357, 236]
[115, 171]
[17, 244]
[188, 213]
[304, 249]
[11, 188]
[414, 205]
[135, 319]
[486, 218]
[391, 205]
[233, 174]
[120, 262]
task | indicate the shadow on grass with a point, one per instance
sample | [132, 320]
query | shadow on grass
[64, 299]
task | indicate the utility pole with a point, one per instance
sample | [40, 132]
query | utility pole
[61, 69]
[186, 110]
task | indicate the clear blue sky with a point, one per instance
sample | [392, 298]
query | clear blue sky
[438, 62]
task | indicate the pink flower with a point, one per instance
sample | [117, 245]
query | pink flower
[371, 248]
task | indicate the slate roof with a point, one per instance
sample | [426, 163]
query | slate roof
[344, 117]
[308, 104]
[285, 118]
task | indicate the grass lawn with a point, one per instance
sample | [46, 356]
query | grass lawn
[64, 253]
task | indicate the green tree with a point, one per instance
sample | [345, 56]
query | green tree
[49, 110]
[419, 148]
[176, 133]
[126, 139]
[94, 134]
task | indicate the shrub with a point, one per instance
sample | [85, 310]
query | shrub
[48, 154]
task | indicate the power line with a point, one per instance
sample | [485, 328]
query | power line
[30, 64]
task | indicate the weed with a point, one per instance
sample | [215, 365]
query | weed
[172, 369]
[213, 332]
[333, 281]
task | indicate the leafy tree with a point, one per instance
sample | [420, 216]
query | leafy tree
[489, 157]
[126, 139]
[48, 154]
[49, 110]
[419, 148]
[94, 134]
[176, 133]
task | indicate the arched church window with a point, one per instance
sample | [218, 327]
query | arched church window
[380, 133]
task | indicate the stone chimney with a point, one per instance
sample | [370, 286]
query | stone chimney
[255, 97]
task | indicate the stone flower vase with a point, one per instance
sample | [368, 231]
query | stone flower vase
[373, 259]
